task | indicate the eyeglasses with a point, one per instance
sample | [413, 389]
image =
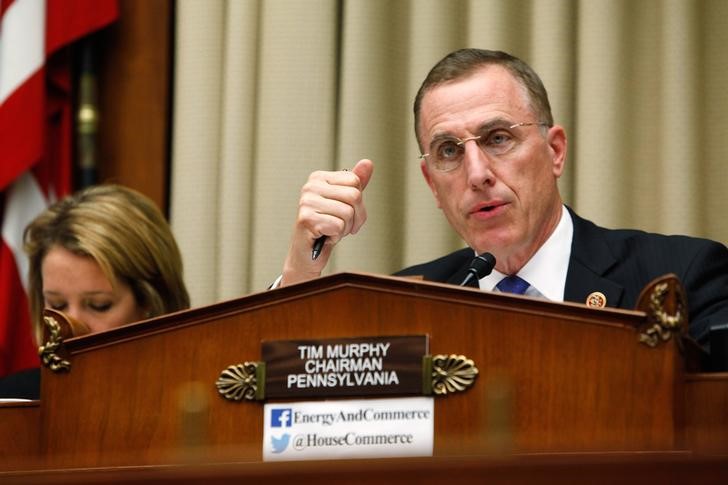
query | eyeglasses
[447, 153]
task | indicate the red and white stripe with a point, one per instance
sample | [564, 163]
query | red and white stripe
[35, 148]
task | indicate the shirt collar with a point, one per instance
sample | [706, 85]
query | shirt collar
[546, 270]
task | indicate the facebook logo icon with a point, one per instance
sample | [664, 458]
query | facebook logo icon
[280, 418]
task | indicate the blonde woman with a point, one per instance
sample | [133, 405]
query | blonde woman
[104, 256]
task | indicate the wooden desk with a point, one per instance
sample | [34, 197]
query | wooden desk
[579, 380]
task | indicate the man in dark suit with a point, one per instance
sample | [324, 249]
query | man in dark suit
[492, 156]
[619, 264]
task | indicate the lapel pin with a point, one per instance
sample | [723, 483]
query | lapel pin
[596, 299]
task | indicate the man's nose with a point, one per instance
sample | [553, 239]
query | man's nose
[477, 165]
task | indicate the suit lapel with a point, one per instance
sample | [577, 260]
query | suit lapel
[590, 259]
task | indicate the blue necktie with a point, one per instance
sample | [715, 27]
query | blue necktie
[513, 284]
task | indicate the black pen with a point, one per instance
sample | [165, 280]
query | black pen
[318, 245]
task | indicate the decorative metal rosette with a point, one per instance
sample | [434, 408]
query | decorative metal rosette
[452, 373]
[239, 382]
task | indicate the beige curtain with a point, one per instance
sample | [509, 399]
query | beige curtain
[267, 91]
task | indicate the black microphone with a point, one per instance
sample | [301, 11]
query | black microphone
[479, 267]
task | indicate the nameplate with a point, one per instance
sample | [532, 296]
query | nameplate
[368, 366]
[345, 429]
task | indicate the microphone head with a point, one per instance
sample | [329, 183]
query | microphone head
[483, 264]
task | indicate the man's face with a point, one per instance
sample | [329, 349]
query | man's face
[507, 204]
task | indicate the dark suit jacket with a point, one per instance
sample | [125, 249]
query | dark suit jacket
[620, 263]
[24, 385]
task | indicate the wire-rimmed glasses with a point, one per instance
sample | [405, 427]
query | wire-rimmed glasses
[447, 152]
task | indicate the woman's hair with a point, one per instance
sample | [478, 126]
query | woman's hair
[124, 232]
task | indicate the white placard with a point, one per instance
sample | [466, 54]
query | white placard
[376, 428]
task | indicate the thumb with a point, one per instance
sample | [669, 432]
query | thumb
[363, 169]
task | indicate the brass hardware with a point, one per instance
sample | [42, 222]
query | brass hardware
[242, 382]
[47, 351]
[663, 323]
[450, 373]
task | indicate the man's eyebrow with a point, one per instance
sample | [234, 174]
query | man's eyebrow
[495, 123]
[489, 125]
[442, 136]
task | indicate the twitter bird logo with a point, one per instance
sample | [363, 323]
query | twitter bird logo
[280, 444]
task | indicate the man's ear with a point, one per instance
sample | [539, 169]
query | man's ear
[557, 144]
[428, 178]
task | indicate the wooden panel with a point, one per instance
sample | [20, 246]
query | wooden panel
[579, 380]
[706, 427]
[19, 435]
[134, 97]
[577, 469]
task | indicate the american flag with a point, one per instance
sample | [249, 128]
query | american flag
[35, 140]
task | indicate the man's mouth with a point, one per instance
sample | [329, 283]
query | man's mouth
[488, 207]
